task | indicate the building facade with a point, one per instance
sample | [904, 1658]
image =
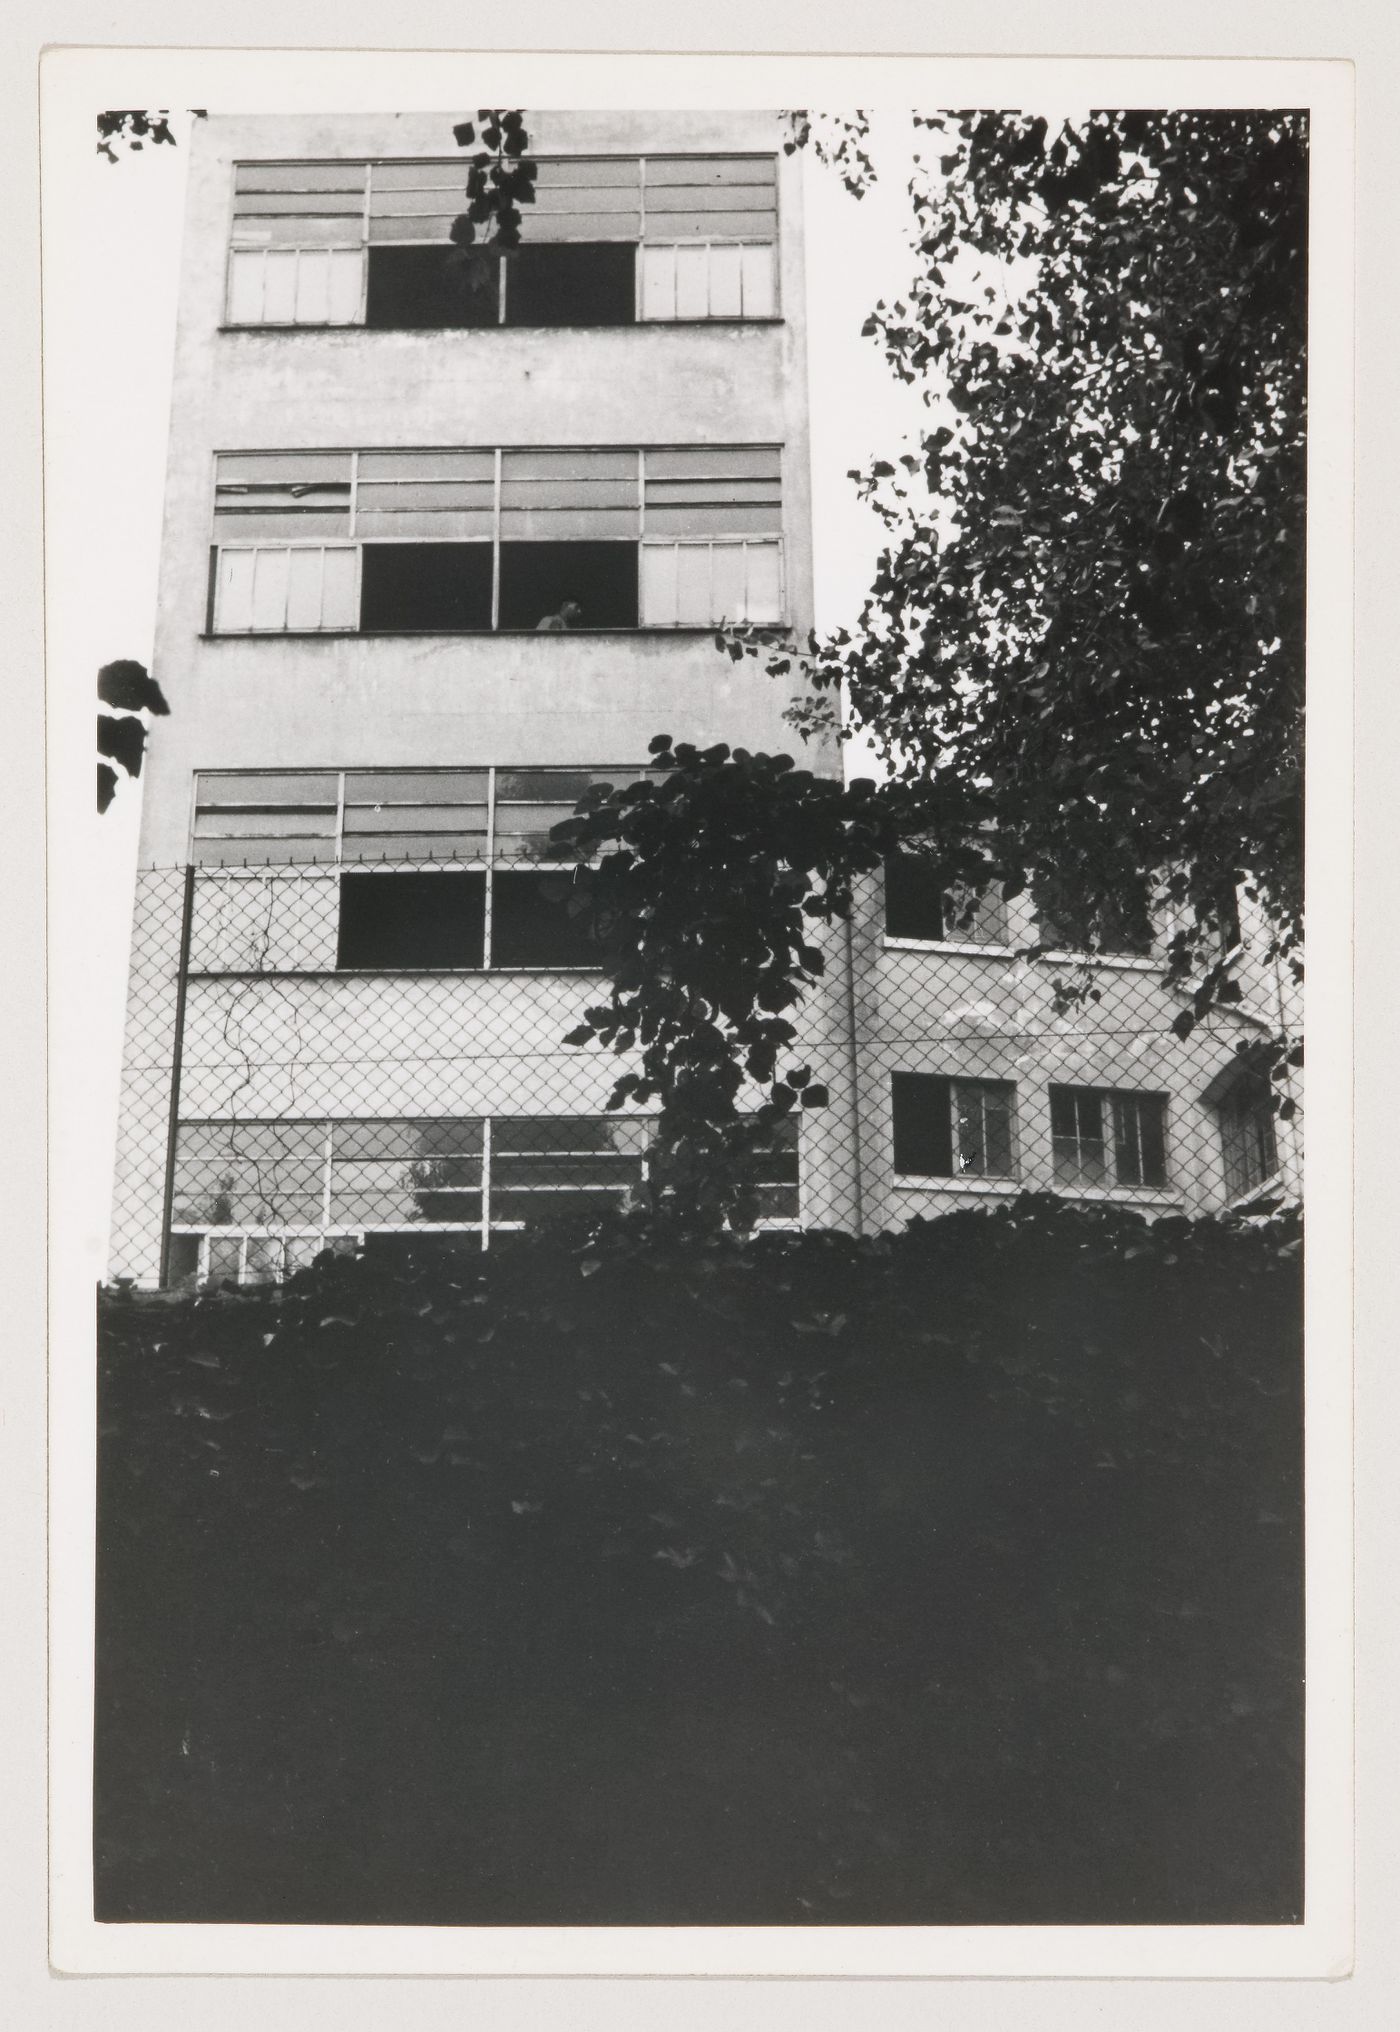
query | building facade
[447, 539]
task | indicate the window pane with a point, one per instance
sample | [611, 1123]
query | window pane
[727, 582]
[913, 897]
[410, 587]
[1127, 1148]
[539, 580]
[279, 288]
[1152, 1131]
[313, 287]
[725, 290]
[224, 1260]
[923, 1143]
[531, 925]
[245, 289]
[693, 603]
[571, 283]
[459, 1136]
[270, 574]
[233, 607]
[765, 596]
[407, 921]
[304, 589]
[658, 282]
[758, 281]
[340, 591]
[435, 287]
[692, 282]
[346, 278]
[658, 585]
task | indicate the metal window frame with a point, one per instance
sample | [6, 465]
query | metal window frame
[355, 540]
[364, 243]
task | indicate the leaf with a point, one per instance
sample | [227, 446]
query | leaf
[129, 687]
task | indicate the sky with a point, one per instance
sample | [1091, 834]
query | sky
[112, 240]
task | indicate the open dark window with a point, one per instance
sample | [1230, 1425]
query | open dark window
[405, 921]
[920, 903]
[572, 283]
[598, 578]
[441, 288]
[531, 924]
[425, 586]
[947, 1128]
[913, 897]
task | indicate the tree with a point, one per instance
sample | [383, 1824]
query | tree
[1092, 602]
[1082, 655]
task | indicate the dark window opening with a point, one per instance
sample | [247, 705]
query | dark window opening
[598, 580]
[914, 903]
[406, 1252]
[572, 283]
[404, 921]
[532, 926]
[923, 1124]
[439, 288]
[407, 586]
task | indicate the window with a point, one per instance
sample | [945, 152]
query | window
[578, 284]
[472, 539]
[919, 904]
[406, 920]
[1248, 1139]
[298, 244]
[1102, 1138]
[607, 241]
[514, 905]
[256, 1200]
[1065, 923]
[953, 1128]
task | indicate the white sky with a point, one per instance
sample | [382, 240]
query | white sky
[112, 279]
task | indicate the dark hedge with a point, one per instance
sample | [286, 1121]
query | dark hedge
[947, 1577]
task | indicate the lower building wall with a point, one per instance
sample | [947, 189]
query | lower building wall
[274, 1033]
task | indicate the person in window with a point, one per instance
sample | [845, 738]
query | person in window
[569, 615]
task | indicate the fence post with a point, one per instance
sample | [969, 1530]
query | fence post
[176, 1058]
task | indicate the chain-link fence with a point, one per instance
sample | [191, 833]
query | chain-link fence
[328, 1056]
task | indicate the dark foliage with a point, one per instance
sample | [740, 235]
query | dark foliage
[1092, 605]
[710, 879]
[121, 735]
[129, 132]
[950, 1576]
[500, 180]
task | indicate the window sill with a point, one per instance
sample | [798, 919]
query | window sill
[998, 950]
[1119, 1195]
[388, 973]
[475, 331]
[1139, 963]
[1267, 1188]
[1004, 1187]
[467, 634]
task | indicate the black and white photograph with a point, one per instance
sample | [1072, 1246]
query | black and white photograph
[690, 967]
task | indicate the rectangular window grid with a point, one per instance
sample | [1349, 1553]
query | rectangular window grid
[296, 532]
[953, 1128]
[303, 234]
[256, 1200]
[1103, 1138]
[1248, 1138]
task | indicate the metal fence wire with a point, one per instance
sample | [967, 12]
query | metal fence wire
[331, 1055]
